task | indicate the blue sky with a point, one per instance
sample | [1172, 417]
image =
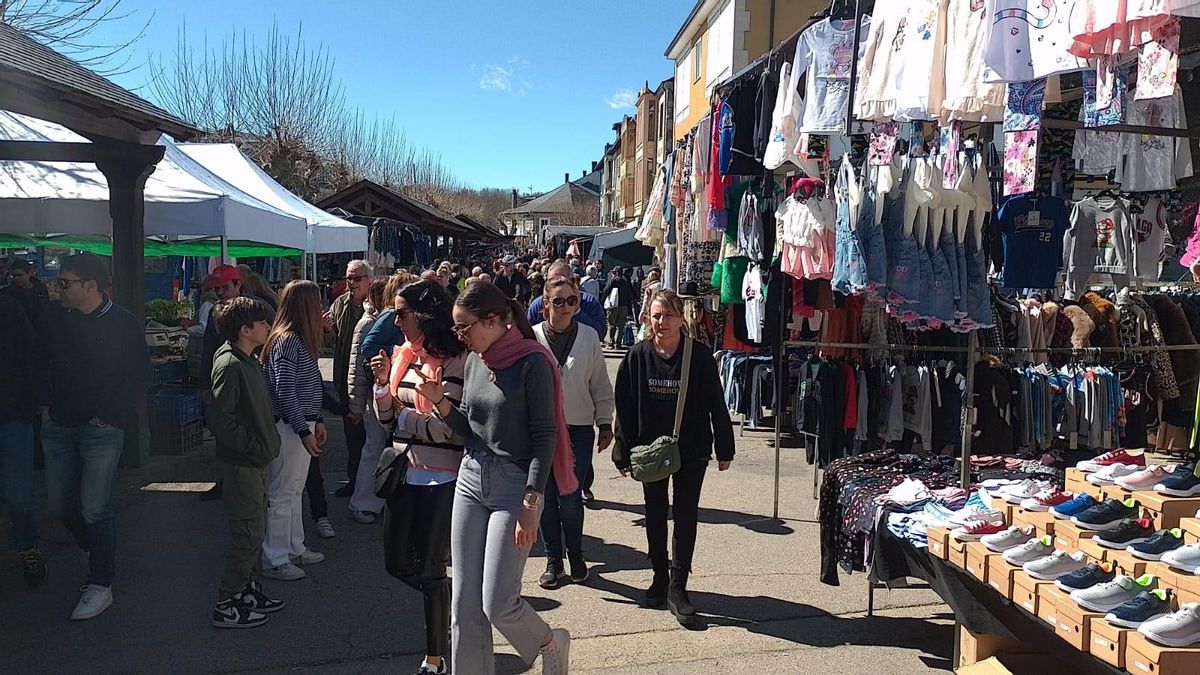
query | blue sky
[511, 93]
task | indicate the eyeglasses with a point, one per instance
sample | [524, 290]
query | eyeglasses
[354, 278]
[64, 284]
[461, 329]
[567, 302]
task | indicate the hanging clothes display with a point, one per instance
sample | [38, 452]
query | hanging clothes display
[902, 75]
[824, 53]
[1027, 40]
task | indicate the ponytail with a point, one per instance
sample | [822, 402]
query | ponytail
[485, 300]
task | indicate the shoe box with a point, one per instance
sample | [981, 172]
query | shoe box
[1068, 534]
[1117, 492]
[1095, 552]
[1191, 530]
[1002, 575]
[956, 553]
[1042, 521]
[1026, 591]
[1049, 598]
[1145, 657]
[1075, 624]
[1187, 586]
[976, 560]
[1108, 642]
[1014, 664]
[975, 647]
[1127, 563]
[1167, 577]
[937, 537]
[1167, 511]
[1076, 482]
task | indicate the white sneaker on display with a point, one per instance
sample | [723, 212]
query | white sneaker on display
[1109, 474]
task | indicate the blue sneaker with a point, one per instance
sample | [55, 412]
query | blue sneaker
[1146, 606]
[1081, 502]
[1108, 514]
[1086, 578]
[1158, 544]
[1183, 483]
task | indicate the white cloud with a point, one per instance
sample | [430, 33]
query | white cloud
[505, 77]
[625, 98]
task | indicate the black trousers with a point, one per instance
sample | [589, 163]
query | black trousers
[356, 438]
[686, 484]
[416, 550]
[315, 486]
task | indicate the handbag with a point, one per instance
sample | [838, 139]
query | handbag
[661, 458]
[390, 471]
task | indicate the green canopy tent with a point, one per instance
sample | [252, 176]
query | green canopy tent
[153, 246]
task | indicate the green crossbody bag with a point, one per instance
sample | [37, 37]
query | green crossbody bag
[661, 458]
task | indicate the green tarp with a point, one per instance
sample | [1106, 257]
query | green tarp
[154, 247]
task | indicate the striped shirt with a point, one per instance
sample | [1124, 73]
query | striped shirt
[294, 383]
[432, 444]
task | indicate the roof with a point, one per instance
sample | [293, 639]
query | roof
[492, 232]
[685, 28]
[407, 209]
[30, 64]
[562, 199]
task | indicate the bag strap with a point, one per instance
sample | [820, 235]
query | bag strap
[683, 385]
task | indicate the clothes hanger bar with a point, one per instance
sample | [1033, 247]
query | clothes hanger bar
[856, 345]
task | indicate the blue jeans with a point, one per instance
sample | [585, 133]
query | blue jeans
[16, 472]
[563, 514]
[81, 463]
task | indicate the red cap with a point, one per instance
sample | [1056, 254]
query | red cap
[222, 275]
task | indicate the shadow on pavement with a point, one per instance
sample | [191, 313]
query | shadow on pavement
[708, 516]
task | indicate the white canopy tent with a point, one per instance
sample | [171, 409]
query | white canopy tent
[326, 232]
[183, 199]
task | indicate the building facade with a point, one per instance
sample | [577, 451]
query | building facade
[609, 204]
[645, 153]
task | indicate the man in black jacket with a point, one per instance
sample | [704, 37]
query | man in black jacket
[17, 412]
[618, 306]
[27, 289]
[92, 366]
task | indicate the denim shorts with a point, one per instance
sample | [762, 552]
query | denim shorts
[950, 253]
[979, 305]
[870, 236]
[941, 291]
[903, 271]
[850, 268]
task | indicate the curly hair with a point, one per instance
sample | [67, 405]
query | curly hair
[431, 306]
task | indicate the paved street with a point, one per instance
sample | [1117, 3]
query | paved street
[755, 582]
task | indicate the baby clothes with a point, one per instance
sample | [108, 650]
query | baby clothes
[1152, 163]
[825, 51]
[1026, 41]
[1098, 242]
[967, 96]
[901, 75]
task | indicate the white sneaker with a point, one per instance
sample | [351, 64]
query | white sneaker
[1015, 494]
[974, 513]
[555, 655]
[1147, 478]
[1181, 629]
[1055, 565]
[309, 557]
[1010, 538]
[1031, 550]
[1186, 558]
[1109, 595]
[364, 517]
[285, 572]
[92, 603]
[1109, 474]
[325, 528]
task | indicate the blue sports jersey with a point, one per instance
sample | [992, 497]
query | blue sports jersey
[1033, 229]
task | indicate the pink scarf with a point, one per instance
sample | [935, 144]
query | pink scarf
[403, 357]
[513, 347]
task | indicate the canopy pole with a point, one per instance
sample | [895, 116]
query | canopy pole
[224, 250]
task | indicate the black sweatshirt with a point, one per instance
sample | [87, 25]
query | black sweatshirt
[646, 389]
[16, 344]
[91, 365]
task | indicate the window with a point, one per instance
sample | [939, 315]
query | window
[543, 222]
[696, 54]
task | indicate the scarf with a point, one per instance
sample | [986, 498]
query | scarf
[413, 351]
[506, 351]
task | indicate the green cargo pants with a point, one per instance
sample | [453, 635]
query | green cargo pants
[244, 490]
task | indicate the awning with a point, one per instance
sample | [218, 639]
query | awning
[152, 247]
[326, 232]
[183, 199]
[620, 247]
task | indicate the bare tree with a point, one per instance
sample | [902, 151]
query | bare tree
[67, 26]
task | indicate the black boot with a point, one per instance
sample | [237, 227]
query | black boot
[656, 595]
[678, 601]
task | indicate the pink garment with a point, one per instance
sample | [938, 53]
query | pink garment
[1158, 65]
[403, 357]
[1110, 27]
[512, 347]
[817, 256]
[1192, 250]
[1020, 161]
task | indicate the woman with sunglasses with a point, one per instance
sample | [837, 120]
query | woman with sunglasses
[416, 523]
[588, 404]
[516, 437]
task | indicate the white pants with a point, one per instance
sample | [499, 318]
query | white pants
[364, 498]
[285, 505]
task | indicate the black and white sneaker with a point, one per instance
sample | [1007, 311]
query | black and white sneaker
[233, 614]
[427, 669]
[253, 598]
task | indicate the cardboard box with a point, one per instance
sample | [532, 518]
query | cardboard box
[938, 536]
[977, 560]
[1017, 664]
[1167, 577]
[975, 647]
[1108, 642]
[1042, 521]
[1117, 492]
[1191, 530]
[1075, 624]
[1025, 592]
[1182, 597]
[1143, 656]
[1049, 598]
[958, 553]
[1068, 534]
[1095, 552]
[1186, 584]
[1127, 563]
[1166, 511]
[1001, 575]
[1076, 481]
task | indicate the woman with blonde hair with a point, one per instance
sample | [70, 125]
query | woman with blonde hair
[255, 286]
[295, 386]
[651, 377]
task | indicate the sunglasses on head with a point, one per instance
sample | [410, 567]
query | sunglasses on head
[565, 302]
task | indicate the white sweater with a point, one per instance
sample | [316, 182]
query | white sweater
[587, 391]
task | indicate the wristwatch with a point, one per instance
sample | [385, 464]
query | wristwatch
[532, 499]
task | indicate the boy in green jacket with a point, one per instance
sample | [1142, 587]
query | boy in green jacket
[241, 420]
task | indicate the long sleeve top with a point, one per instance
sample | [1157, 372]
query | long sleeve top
[384, 334]
[587, 391]
[346, 313]
[646, 390]
[510, 413]
[432, 443]
[294, 383]
[359, 377]
[591, 312]
[240, 413]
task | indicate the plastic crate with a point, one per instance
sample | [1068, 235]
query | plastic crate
[175, 407]
[176, 440]
[170, 372]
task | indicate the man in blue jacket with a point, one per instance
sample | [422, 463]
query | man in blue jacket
[591, 312]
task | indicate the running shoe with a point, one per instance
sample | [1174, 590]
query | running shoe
[1109, 595]
[1185, 558]
[1146, 478]
[1182, 483]
[1109, 474]
[1029, 551]
[1015, 494]
[974, 530]
[1010, 538]
[1120, 456]
[1078, 504]
[1055, 565]
[1157, 545]
[973, 513]
[1181, 629]
[1045, 499]
[1145, 606]
[1128, 532]
[1086, 577]
[1107, 514]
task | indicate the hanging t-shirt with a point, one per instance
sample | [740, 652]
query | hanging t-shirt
[1098, 242]
[967, 96]
[1033, 230]
[1149, 238]
[918, 414]
[900, 76]
[756, 305]
[1028, 40]
[824, 52]
[1153, 163]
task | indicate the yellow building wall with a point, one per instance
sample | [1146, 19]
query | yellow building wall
[697, 101]
[790, 16]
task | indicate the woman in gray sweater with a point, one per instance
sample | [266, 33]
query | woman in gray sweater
[515, 437]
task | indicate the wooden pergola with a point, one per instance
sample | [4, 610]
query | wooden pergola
[122, 127]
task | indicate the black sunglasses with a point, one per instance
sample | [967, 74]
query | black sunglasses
[568, 302]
